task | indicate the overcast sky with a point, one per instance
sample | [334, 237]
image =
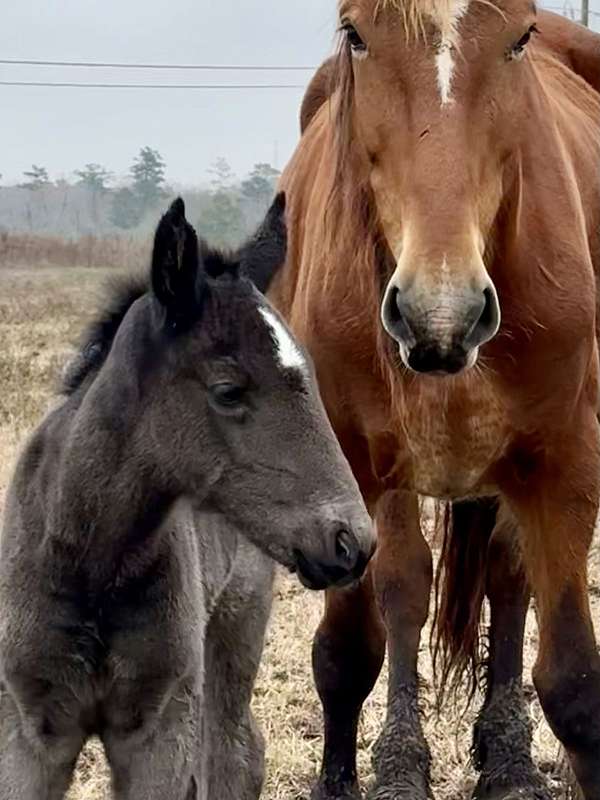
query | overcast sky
[62, 129]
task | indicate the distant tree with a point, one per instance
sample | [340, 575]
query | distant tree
[222, 174]
[148, 172]
[259, 186]
[125, 212]
[94, 177]
[222, 221]
[37, 178]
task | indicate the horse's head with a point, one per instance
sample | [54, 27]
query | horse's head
[240, 426]
[432, 93]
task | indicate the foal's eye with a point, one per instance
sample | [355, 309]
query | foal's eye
[358, 47]
[227, 395]
[518, 49]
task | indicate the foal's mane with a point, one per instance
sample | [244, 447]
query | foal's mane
[122, 292]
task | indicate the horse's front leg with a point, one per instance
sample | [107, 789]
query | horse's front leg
[502, 735]
[557, 509]
[403, 576]
[348, 654]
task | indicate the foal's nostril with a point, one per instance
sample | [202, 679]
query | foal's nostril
[346, 549]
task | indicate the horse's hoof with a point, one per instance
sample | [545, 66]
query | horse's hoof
[403, 791]
[341, 792]
[536, 790]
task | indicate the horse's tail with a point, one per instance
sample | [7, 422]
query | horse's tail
[460, 592]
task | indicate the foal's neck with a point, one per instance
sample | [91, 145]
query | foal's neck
[112, 495]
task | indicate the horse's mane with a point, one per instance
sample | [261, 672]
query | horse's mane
[415, 13]
[121, 293]
[351, 212]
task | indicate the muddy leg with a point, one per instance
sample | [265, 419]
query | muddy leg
[403, 576]
[557, 521]
[502, 734]
[567, 678]
[348, 653]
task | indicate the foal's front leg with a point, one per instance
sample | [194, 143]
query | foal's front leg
[234, 645]
[161, 762]
[557, 510]
[33, 767]
[403, 575]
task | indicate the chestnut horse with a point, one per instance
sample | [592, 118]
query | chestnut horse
[450, 188]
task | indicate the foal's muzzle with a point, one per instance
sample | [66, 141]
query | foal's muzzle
[441, 335]
[344, 560]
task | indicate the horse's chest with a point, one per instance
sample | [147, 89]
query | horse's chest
[454, 434]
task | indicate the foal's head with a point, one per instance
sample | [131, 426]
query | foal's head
[236, 418]
[434, 104]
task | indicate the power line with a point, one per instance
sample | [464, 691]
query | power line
[568, 10]
[194, 86]
[120, 65]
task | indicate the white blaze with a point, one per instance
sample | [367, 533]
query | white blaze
[288, 352]
[448, 27]
[445, 67]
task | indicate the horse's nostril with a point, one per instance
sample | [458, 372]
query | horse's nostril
[394, 317]
[487, 317]
[346, 549]
[488, 322]
[394, 313]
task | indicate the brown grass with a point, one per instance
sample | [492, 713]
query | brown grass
[17, 249]
[41, 312]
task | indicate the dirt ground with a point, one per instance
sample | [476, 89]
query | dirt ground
[41, 313]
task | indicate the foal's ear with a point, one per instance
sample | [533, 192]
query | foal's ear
[265, 253]
[177, 276]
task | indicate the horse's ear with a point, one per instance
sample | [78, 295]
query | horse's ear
[177, 274]
[265, 253]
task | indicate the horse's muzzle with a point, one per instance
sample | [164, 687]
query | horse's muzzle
[441, 335]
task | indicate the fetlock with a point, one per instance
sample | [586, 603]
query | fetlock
[502, 750]
[401, 756]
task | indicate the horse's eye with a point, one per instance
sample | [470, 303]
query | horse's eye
[354, 40]
[518, 48]
[227, 395]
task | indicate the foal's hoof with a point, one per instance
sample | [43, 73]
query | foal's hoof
[343, 791]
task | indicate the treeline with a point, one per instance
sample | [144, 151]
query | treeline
[89, 218]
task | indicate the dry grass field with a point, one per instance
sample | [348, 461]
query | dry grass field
[41, 312]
